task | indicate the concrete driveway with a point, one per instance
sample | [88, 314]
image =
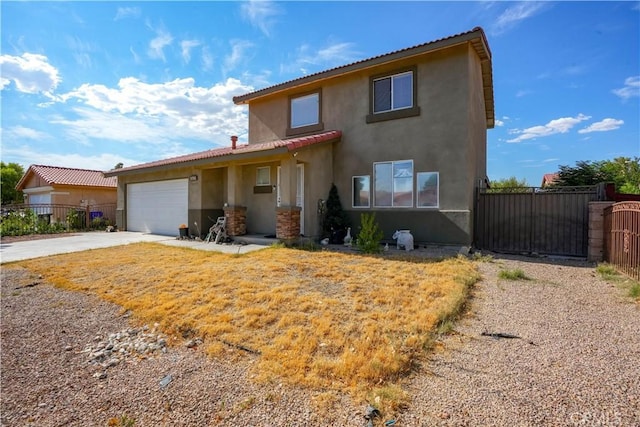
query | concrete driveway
[17, 251]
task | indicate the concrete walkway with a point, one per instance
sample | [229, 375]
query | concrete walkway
[17, 251]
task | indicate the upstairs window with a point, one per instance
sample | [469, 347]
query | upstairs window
[304, 113]
[393, 92]
[393, 96]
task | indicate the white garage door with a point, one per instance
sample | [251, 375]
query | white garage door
[157, 207]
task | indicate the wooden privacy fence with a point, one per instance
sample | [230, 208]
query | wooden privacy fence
[534, 220]
[622, 237]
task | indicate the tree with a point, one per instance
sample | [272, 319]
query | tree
[624, 172]
[118, 166]
[336, 220]
[10, 174]
[584, 173]
[507, 185]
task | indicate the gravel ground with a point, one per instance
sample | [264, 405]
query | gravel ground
[576, 362]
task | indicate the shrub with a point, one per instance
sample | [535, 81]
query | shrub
[335, 220]
[370, 235]
[516, 274]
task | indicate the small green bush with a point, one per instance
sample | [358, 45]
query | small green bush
[370, 235]
[516, 274]
[607, 271]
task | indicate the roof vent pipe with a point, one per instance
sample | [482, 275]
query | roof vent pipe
[234, 139]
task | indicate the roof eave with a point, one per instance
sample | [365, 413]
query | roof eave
[134, 170]
[241, 154]
[430, 47]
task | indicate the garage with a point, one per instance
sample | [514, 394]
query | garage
[158, 207]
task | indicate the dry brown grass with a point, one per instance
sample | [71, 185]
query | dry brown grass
[329, 321]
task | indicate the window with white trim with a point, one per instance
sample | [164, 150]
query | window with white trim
[428, 189]
[263, 175]
[393, 183]
[361, 191]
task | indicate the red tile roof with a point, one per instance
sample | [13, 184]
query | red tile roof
[228, 153]
[550, 178]
[53, 175]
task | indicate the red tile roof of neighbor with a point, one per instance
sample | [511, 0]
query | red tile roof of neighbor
[53, 175]
[550, 178]
[228, 153]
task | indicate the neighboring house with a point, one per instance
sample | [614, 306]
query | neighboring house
[549, 179]
[53, 185]
[402, 135]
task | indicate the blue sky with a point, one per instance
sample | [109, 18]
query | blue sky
[89, 85]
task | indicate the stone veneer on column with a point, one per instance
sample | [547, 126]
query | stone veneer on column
[236, 220]
[288, 223]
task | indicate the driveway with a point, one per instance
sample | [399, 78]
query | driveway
[18, 251]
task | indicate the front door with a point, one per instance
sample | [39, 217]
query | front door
[299, 192]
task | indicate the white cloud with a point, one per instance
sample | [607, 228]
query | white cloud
[31, 73]
[22, 133]
[561, 125]
[136, 111]
[514, 14]
[334, 54]
[186, 46]
[26, 155]
[603, 126]
[339, 52]
[127, 12]
[260, 14]
[631, 88]
[88, 124]
[136, 57]
[207, 59]
[522, 92]
[238, 54]
[157, 44]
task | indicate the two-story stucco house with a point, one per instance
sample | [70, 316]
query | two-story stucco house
[402, 135]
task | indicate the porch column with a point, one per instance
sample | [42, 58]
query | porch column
[234, 211]
[236, 220]
[288, 223]
[288, 214]
[234, 185]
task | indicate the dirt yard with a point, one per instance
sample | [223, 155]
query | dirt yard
[559, 349]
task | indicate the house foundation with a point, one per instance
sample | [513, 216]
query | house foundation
[236, 220]
[288, 223]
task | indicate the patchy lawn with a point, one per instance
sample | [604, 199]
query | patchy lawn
[331, 321]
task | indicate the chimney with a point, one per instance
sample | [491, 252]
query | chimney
[234, 139]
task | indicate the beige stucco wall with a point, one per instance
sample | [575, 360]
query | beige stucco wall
[67, 195]
[449, 137]
[261, 207]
